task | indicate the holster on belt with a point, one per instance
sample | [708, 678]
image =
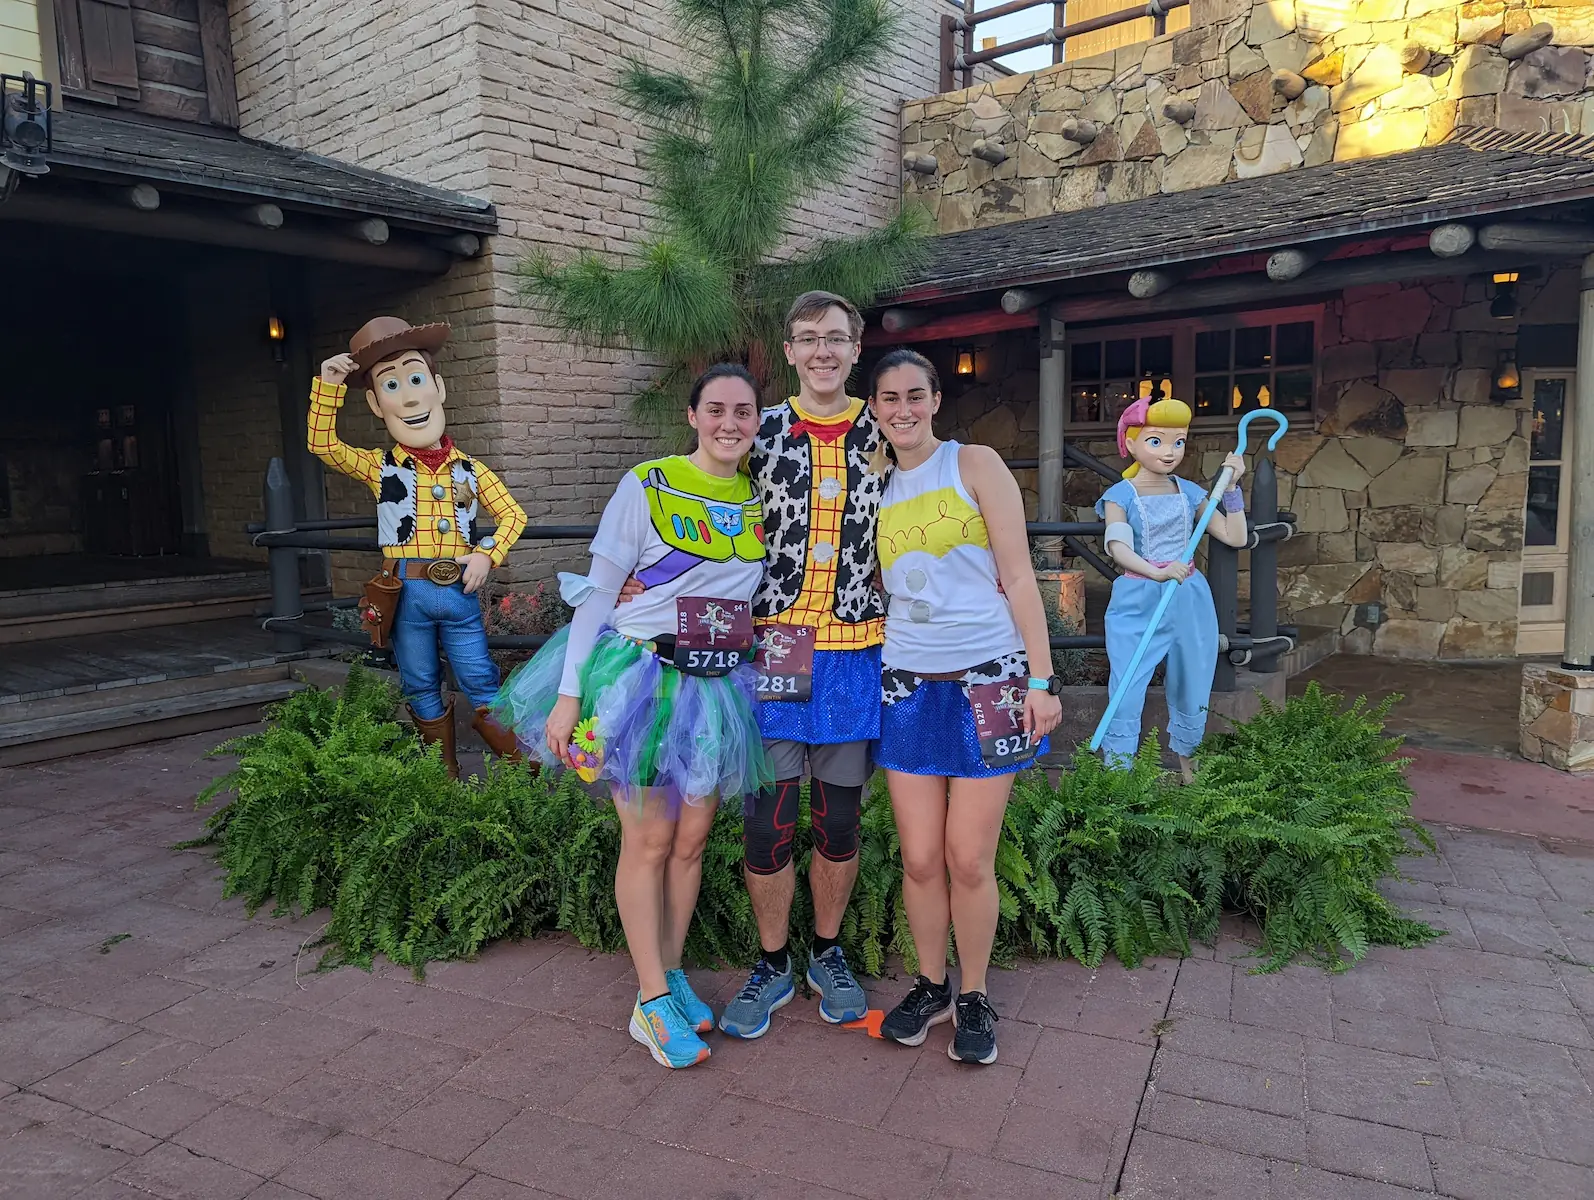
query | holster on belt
[380, 606]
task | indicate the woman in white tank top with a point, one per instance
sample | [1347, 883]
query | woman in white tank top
[967, 691]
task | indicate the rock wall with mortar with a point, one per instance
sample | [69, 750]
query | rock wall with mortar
[1373, 77]
[1408, 487]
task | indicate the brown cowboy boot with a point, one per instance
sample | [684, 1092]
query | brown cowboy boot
[499, 740]
[440, 730]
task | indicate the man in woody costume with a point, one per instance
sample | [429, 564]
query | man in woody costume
[820, 628]
[429, 497]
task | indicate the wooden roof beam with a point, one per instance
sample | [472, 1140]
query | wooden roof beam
[1532, 237]
[1291, 263]
[326, 244]
[1018, 300]
[900, 320]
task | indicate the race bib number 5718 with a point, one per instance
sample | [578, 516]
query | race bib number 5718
[712, 636]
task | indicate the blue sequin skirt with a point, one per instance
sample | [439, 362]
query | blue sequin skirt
[927, 728]
[845, 706]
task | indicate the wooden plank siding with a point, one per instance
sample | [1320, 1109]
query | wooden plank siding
[19, 38]
[173, 58]
[1113, 36]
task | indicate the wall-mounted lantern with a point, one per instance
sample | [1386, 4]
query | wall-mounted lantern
[276, 335]
[965, 363]
[1503, 304]
[1506, 385]
[24, 124]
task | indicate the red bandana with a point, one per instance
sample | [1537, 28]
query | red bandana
[826, 432]
[434, 458]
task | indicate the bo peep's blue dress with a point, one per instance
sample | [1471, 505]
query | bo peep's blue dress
[1187, 635]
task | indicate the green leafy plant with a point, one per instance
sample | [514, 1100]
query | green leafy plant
[1311, 809]
[1294, 817]
[766, 116]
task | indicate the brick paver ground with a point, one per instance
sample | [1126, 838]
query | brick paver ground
[155, 1042]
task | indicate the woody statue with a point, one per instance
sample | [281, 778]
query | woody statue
[428, 496]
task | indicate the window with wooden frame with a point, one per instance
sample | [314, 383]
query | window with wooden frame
[1221, 366]
[167, 58]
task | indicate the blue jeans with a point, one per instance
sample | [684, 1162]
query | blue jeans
[427, 613]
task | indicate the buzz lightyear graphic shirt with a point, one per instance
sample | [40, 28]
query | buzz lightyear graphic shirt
[688, 532]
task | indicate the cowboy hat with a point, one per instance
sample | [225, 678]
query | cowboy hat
[383, 337]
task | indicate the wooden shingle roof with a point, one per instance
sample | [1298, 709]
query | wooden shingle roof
[1475, 172]
[203, 160]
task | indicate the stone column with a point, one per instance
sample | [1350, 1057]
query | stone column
[1557, 709]
[1579, 652]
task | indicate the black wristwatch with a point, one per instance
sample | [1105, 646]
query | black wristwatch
[1052, 686]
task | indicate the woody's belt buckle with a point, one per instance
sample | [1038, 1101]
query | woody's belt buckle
[443, 571]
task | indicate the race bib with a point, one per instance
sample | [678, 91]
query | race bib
[785, 662]
[712, 637]
[999, 721]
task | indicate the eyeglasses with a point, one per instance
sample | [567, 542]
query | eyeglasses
[836, 341]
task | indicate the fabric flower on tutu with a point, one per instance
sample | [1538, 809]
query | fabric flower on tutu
[586, 749]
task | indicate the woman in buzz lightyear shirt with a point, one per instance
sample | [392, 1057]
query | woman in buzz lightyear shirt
[659, 692]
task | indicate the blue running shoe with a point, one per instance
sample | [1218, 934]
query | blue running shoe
[841, 996]
[747, 1016]
[659, 1026]
[698, 1015]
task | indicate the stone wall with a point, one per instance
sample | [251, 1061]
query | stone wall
[1213, 103]
[511, 100]
[1408, 483]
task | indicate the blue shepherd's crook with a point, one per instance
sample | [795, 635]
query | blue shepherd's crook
[1168, 587]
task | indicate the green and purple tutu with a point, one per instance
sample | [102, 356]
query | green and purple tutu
[688, 736]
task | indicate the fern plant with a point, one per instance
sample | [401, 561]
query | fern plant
[1311, 808]
[1294, 817]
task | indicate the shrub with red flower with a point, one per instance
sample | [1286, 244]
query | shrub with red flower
[540, 611]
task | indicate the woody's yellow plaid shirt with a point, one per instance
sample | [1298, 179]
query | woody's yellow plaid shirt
[816, 603]
[366, 466]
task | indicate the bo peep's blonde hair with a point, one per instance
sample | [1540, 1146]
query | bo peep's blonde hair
[1166, 413]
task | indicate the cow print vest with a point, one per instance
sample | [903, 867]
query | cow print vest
[782, 471]
[395, 503]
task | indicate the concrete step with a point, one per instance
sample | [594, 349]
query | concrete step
[79, 724]
[116, 595]
[1315, 643]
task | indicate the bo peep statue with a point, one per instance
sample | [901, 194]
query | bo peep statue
[1150, 517]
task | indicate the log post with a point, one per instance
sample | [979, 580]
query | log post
[1537, 238]
[1143, 285]
[282, 561]
[1180, 112]
[1452, 240]
[1083, 132]
[267, 216]
[990, 152]
[1579, 652]
[1017, 300]
[144, 197]
[1284, 265]
[1288, 84]
[900, 320]
[920, 164]
[1264, 560]
[373, 230]
[1053, 404]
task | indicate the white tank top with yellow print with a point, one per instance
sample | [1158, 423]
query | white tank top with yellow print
[945, 612]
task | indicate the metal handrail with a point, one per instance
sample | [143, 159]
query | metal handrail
[1258, 643]
[954, 60]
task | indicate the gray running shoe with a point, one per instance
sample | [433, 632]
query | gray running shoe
[841, 997]
[747, 1016]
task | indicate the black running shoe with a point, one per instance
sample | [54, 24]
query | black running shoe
[975, 1039]
[926, 1005]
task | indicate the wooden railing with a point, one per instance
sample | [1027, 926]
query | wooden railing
[961, 60]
